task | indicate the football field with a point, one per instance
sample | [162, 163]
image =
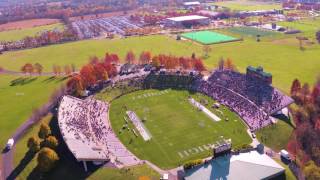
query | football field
[179, 131]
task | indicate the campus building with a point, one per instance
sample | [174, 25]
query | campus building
[251, 165]
[187, 21]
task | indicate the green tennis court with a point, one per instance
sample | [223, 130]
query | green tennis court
[208, 37]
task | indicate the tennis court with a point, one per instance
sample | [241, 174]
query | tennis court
[208, 37]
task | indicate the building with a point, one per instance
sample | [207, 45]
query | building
[187, 21]
[251, 165]
[191, 4]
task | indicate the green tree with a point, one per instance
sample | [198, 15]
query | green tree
[311, 171]
[47, 159]
[33, 144]
[51, 142]
[44, 131]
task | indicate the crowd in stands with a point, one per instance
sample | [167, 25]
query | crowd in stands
[86, 121]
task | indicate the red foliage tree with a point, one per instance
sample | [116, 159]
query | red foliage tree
[295, 87]
[130, 57]
[75, 85]
[88, 75]
[198, 65]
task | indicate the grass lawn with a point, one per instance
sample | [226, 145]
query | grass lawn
[307, 26]
[175, 126]
[19, 96]
[21, 149]
[275, 136]
[273, 56]
[18, 34]
[247, 5]
[252, 32]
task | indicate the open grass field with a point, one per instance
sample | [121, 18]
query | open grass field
[307, 26]
[276, 136]
[247, 5]
[273, 56]
[252, 32]
[19, 96]
[66, 172]
[208, 37]
[17, 34]
[176, 127]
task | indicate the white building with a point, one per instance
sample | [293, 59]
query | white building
[181, 21]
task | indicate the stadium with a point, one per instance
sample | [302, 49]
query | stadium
[178, 116]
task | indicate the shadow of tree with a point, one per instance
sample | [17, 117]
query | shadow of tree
[284, 118]
[21, 166]
[49, 79]
[22, 81]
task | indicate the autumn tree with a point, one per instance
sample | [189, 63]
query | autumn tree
[295, 87]
[33, 144]
[47, 159]
[311, 171]
[145, 57]
[87, 75]
[44, 131]
[198, 65]
[38, 68]
[27, 68]
[51, 142]
[221, 64]
[130, 57]
[75, 85]
[229, 64]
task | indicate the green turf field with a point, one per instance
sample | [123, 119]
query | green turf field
[208, 37]
[252, 32]
[19, 96]
[175, 126]
[18, 34]
[248, 5]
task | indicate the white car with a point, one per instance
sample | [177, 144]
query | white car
[9, 144]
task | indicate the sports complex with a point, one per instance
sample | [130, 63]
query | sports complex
[150, 123]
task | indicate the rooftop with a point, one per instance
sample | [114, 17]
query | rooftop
[251, 165]
[187, 18]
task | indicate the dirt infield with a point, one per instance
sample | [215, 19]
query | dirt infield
[27, 24]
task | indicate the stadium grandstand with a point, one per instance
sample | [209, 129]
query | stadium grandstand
[87, 133]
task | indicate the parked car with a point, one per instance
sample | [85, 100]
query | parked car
[10, 143]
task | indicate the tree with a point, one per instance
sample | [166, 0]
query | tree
[229, 64]
[207, 49]
[311, 171]
[193, 55]
[44, 131]
[145, 57]
[75, 85]
[198, 65]
[130, 57]
[27, 68]
[47, 159]
[38, 68]
[51, 142]
[221, 64]
[88, 75]
[295, 87]
[33, 144]
[318, 36]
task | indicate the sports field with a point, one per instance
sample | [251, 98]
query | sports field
[17, 34]
[252, 32]
[208, 37]
[179, 131]
[248, 5]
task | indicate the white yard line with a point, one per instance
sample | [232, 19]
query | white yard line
[204, 109]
